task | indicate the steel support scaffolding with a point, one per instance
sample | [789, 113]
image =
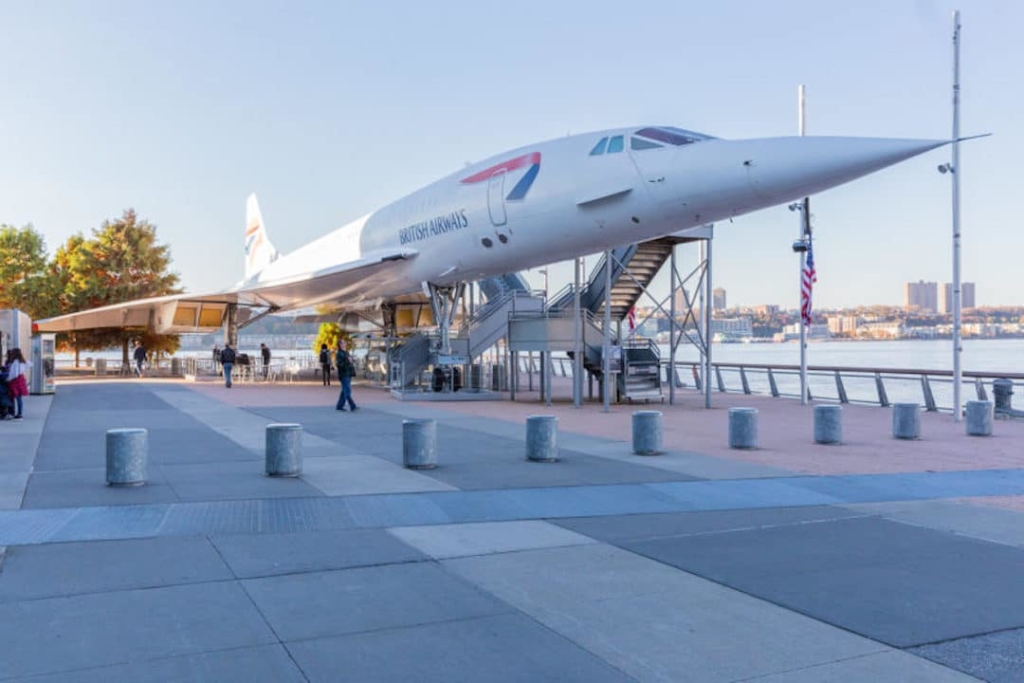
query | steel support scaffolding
[693, 323]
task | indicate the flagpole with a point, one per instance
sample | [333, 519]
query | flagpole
[957, 376]
[804, 220]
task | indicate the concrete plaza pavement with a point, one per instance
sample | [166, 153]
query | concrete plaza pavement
[874, 560]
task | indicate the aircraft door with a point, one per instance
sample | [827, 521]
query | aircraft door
[496, 198]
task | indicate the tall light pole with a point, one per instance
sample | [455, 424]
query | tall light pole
[955, 177]
[805, 221]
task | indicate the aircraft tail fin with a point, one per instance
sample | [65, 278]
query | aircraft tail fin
[259, 252]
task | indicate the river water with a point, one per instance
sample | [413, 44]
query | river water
[982, 355]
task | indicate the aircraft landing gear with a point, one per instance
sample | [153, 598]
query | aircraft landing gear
[444, 302]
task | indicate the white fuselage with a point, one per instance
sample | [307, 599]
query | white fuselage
[557, 200]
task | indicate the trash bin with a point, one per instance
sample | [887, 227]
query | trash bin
[499, 380]
[476, 376]
[1003, 389]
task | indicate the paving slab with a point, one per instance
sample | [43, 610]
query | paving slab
[267, 664]
[19, 449]
[87, 487]
[231, 481]
[64, 634]
[87, 448]
[896, 583]
[56, 569]
[245, 428]
[349, 475]
[463, 540]
[892, 666]
[321, 604]
[616, 528]
[254, 555]
[500, 648]
[655, 623]
[12, 489]
[995, 657]
[984, 522]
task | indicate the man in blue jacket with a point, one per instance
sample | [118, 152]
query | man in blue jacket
[346, 371]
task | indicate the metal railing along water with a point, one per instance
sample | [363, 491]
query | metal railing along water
[877, 386]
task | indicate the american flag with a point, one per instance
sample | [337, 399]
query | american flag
[807, 280]
[631, 317]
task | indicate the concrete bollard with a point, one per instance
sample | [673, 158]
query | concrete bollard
[101, 366]
[979, 418]
[127, 455]
[742, 427]
[419, 444]
[906, 421]
[828, 424]
[647, 432]
[284, 450]
[542, 438]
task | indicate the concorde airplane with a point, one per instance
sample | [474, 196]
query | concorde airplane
[531, 206]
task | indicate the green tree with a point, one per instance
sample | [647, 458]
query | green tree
[329, 333]
[23, 282]
[122, 261]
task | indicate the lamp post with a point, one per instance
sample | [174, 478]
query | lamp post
[955, 175]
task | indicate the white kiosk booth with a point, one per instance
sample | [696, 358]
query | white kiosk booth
[43, 363]
[15, 330]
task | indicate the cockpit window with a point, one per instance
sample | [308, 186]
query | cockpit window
[671, 136]
[640, 143]
[599, 147]
[615, 144]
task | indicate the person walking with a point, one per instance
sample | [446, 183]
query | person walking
[346, 371]
[325, 365]
[227, 362]
[265, 353]
[140, 357]
[17, 366]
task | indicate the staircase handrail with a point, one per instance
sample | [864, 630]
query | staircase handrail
[642, 343]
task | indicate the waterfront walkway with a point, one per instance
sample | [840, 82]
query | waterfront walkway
[875, 560]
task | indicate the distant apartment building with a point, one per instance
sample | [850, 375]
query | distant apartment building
[922, 295]
[739, 327]
[679, 297]
[946, 296]
[843, 325]
[881, 330]
[813, 331]
[766, 309]
[718, 299]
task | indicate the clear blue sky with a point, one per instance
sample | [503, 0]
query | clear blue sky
[329, 110]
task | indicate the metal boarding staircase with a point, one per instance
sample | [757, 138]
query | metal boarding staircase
[408, 358]
[592, 343]
[490, 323]
[640, 379]
[505, 294]
[633, 268]
[499, 285]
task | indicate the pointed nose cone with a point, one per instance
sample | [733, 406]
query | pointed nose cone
[783, 169]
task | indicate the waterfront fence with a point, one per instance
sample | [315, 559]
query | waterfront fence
[933, 389]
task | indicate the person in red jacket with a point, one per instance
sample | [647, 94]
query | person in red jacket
[17, 367]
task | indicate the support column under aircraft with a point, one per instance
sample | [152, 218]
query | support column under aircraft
[231, 325]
